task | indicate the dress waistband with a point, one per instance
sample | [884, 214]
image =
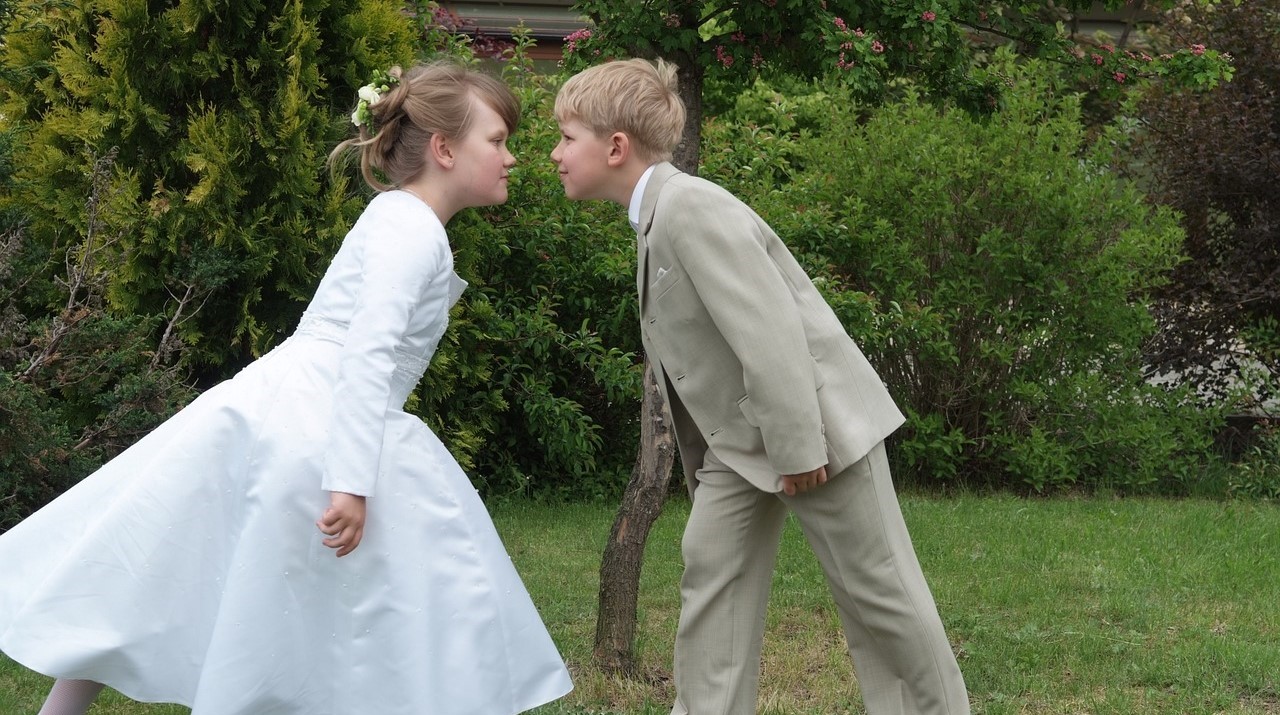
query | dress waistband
[409, 367]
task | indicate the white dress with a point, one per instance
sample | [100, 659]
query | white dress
[189, 569]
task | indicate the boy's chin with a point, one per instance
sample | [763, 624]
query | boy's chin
[576, 194]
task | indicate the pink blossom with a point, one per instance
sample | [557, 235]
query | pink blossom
[756, 58]
[1120, 77]
[859, 33]
[846, 45]
[1108, 48]
[1097, 59]
[672, 20]
[842, 64]
[571, 41]
[1197, 49]
[739, 37]
[876, 47]
[928, 16]
[723, 57]
[840, 24]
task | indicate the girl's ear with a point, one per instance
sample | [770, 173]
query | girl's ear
[441, 151]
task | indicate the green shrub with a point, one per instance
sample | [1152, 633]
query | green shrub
[222, 114]
[79, 384]
[536, 385]
[997, 274]
[1257, 474]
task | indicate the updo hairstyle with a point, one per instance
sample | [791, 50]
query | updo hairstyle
[426, 99]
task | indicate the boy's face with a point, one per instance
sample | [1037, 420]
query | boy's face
[583, 160]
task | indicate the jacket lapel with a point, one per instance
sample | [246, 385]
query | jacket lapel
[648, 203]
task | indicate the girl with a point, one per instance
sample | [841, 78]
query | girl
[198, 566]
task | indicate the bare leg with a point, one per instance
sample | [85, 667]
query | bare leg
[70, 697]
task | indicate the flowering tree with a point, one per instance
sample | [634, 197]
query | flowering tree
[867, 45]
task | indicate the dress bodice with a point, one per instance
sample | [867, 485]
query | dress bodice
[385, 299]
[393, 276]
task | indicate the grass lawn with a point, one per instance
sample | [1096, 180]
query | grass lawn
[1055, 607]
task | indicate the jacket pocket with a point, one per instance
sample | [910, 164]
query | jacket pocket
[748, 412]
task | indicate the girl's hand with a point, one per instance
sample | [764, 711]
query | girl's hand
[343, 522]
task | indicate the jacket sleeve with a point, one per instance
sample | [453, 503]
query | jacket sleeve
[719, 243]
[397, 264]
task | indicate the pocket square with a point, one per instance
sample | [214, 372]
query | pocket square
[658, 278]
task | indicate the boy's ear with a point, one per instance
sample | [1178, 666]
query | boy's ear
[619, 148]
[440, 151]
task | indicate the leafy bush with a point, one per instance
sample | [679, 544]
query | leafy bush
[80, 384]
[536, 385]
[997, 274]
[1257, 475]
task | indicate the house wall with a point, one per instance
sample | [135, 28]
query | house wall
[549, 21]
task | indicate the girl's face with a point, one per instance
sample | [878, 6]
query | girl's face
[483, 161]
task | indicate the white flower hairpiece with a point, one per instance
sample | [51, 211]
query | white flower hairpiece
[370, 95]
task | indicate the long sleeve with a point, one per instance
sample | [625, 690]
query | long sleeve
[398, 261]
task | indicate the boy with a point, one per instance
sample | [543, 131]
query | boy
[773, 406]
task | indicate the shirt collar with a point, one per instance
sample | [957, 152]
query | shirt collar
[637, 194]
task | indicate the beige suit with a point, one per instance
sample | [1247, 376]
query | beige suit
[762, 381]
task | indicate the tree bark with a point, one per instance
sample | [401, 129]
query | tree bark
[624, 553]
[647, 490]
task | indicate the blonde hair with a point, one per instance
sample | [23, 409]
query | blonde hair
[636, 97]
[426, 99]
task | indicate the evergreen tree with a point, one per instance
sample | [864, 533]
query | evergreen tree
[221, 115]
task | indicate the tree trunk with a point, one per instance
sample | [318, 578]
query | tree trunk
[623, 555]
[647, 490]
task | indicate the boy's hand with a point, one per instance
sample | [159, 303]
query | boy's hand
[793, 484]
[343, 522]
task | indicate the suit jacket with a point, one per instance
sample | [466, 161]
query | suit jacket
[752, 361]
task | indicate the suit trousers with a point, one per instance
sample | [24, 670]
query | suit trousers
[903, 661]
